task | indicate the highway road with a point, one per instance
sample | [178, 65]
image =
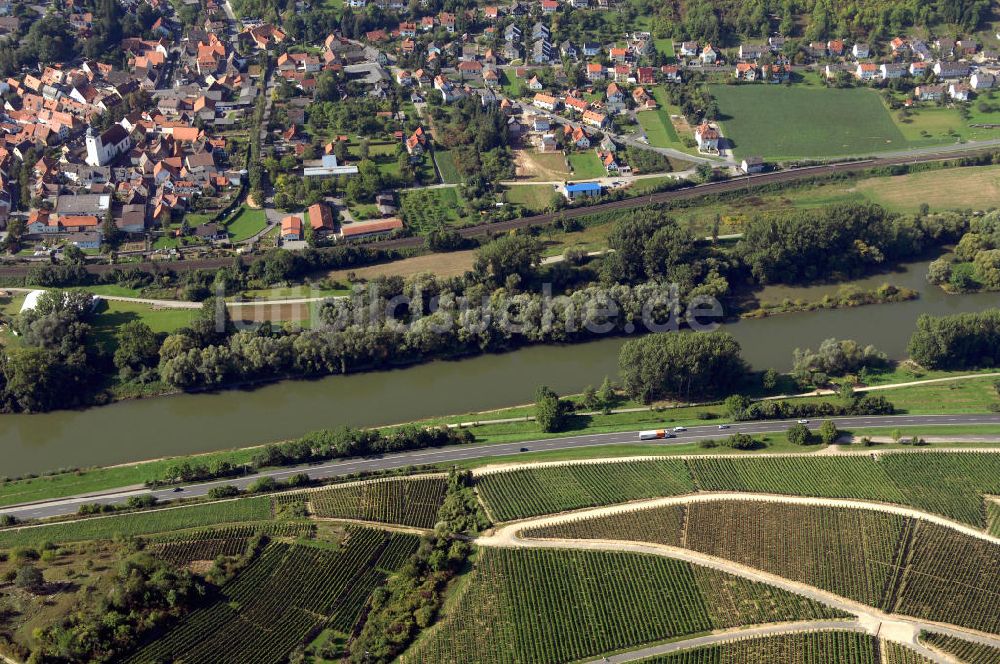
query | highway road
[456, 453]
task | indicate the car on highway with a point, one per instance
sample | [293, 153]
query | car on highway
[803, 422]
[680, 428]
[524, 449]
[179, 488]
[723, 426]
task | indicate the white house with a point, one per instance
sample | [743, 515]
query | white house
[707, 138]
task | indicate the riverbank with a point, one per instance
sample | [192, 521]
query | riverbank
[973, 394]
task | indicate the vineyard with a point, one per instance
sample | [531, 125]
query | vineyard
[952, 578]
[542, 605]
[409, 502]
[659, 525]
[896, 653]
[806, 648]
[849, 552]
[286, 593]
[518, 494]
[140, 523]
[181, 549]
[949, 484]
[966, 651]
[892, 562]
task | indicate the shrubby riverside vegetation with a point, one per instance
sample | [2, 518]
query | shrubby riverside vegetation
[656, 269]
[962, 341]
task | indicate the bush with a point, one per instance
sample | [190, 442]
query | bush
[224, 491]
[799, 434]
[741, 441]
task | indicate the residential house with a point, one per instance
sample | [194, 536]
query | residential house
[835, 47]
[707, 138]
[709, 55]
[959, 91]
[576, 104]
[546, 102]
[745, 71]
[549, 6]
[321, 219]
[590, 49]
[861, 50]
[361, 229]
[291, 228]
[982, 81]
[594, 119]
[892, 71]
[535, 84]
[595, 71]
[567, 50]
[751, 51]
[645, 75]
[547, 143]
[929, 92]
[689, 49]
[671, 73]
[949, 71]
[866, 71]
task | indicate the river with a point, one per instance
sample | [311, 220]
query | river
[148, 428]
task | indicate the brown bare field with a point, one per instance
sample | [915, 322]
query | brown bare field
[449, 264]
[976, 188]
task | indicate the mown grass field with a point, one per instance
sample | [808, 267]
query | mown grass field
[246, 224]
[779, 122]
[586, 165]
[445, 161]
[117, 313]
[975, 187]
[532, 197]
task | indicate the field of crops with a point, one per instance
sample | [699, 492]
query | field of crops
[852, 553]
[524, 493]
[950, 484]
[543, 605]
[896, 653]
[808, 648]
[659, 525]
[181, 549]
[966, 651]
[288, 591]
[140, 523]
[951, 578]
[408, 501]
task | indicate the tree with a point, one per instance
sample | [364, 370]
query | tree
[769, 380]
[109, 230]
[506, 257]
[549, 410]
[138, 348]
[680, 366]
[606, 395]
[590, 400]
[897, 435]
[736, 406]
[29, 578]
[828, 432]
[846, 392]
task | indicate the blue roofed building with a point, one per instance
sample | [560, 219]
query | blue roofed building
[576, 190]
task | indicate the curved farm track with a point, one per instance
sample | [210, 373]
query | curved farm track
[893, 627]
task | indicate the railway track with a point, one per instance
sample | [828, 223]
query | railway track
[724, 186]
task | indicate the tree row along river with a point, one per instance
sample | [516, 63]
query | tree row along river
[180, 424]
